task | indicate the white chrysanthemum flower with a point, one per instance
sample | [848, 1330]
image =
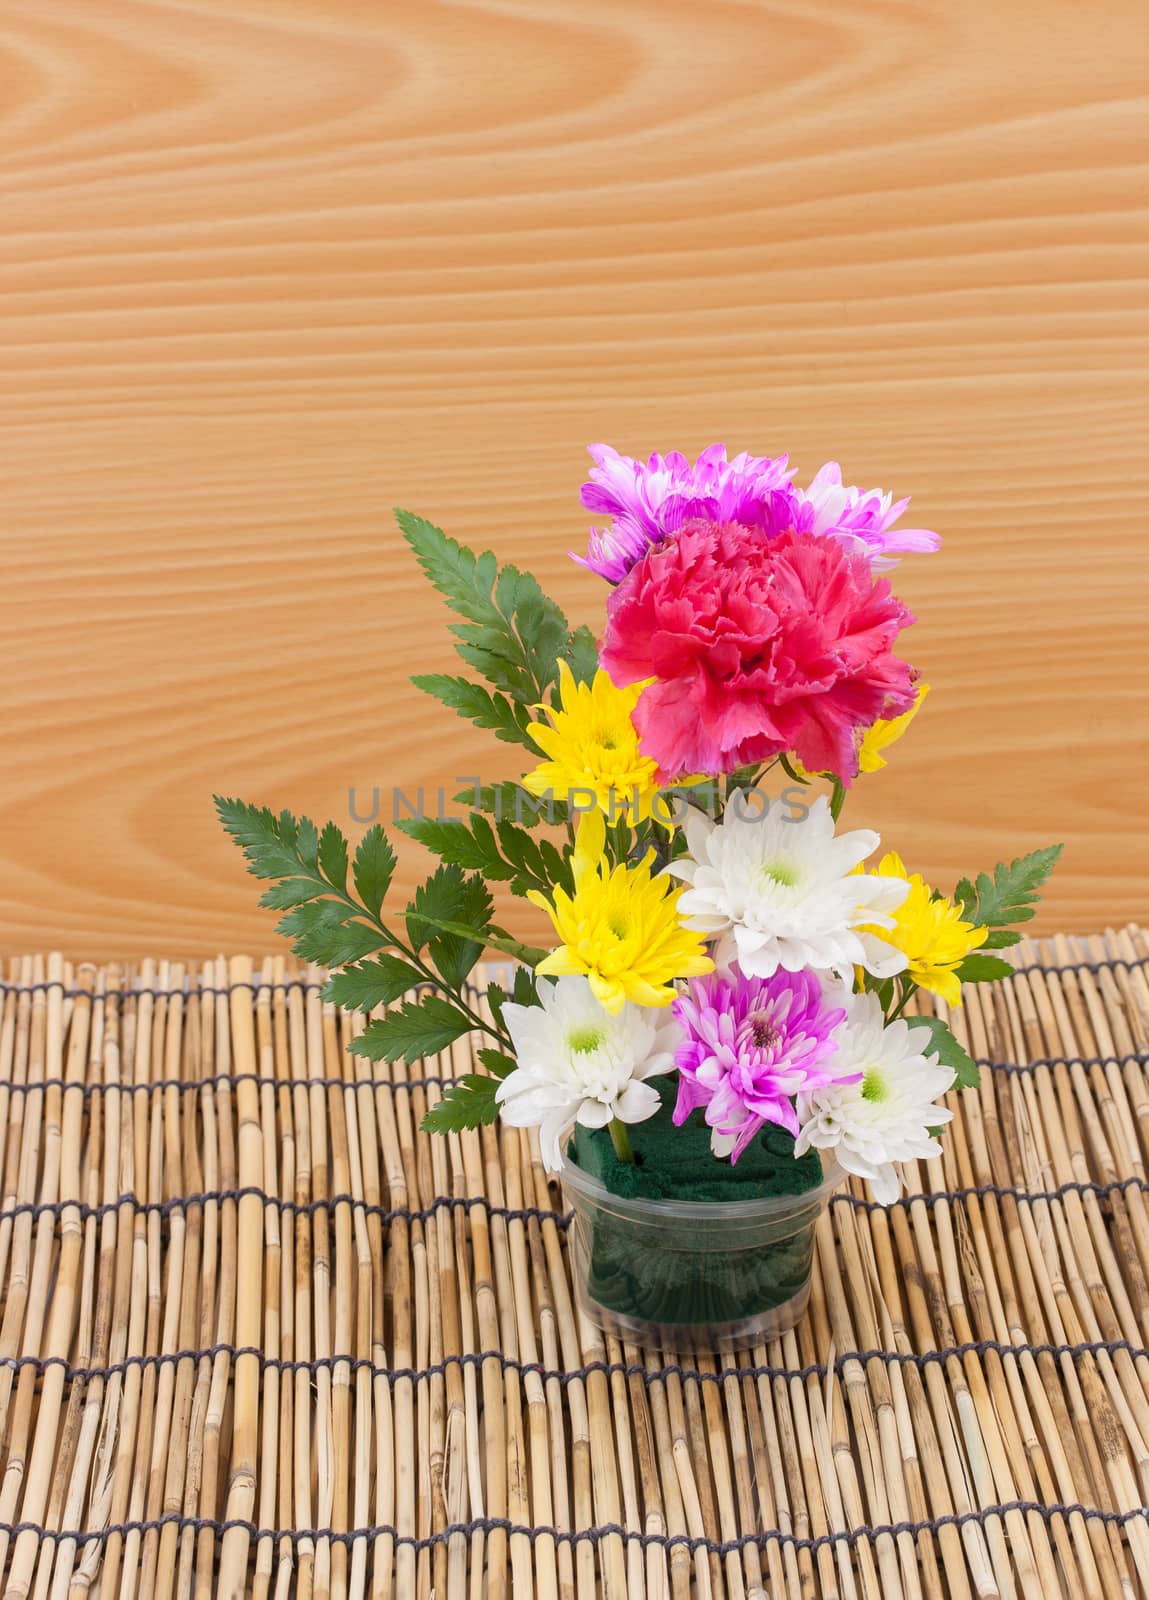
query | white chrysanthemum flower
[886, 1114]
[578, 1063]
[781, 892]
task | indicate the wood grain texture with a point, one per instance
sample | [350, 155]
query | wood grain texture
[269, 269]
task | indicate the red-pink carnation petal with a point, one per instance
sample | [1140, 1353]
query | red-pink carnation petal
[759, 645]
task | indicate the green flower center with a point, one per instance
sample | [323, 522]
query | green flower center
[874, 1085]
[781, 872]
[584, 1040]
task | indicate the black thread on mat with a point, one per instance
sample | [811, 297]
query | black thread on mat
[1083, 966]
[220, 1080]
[610, 1369]
[191, 991]
[298, 1208]
[1134, 1058]
[1002, 1191]
[217, 1080]
[138, 991]
[608, 1530]
[561, 1219]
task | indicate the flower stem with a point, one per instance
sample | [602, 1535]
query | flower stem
[837, 799]
[621, 1140]
[902, 1003]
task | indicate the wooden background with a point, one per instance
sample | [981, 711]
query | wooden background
[269, 269]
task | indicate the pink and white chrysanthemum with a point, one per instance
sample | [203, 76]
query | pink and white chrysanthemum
[649, 500]
[861, 519]
[750, 1045]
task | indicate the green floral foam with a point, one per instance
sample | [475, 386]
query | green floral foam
[676, 1164]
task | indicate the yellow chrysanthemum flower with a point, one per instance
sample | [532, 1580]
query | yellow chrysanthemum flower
[620, 929]
[876, 738]
[592, 744]
[931, 932]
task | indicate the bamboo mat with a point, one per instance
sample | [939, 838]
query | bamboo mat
[260, 1336]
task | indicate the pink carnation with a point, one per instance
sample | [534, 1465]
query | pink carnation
[760, 646]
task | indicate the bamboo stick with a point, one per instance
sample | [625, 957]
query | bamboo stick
[219, 1117]
[249, 1281]
[63, 1114]
[272, 1274]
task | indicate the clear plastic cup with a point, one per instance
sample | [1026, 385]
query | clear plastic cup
[691, 1275]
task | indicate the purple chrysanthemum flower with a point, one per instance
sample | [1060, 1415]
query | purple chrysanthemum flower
[862, 518]
[646, 501]
[751, 1045]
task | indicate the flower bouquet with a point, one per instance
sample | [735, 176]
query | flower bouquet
[720, 1027]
